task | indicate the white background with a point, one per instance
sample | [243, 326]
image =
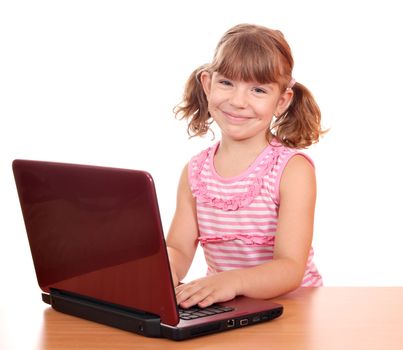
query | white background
[95, 82]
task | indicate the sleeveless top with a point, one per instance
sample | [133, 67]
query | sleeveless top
[237, 216]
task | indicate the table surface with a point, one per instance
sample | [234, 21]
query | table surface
[314, 318]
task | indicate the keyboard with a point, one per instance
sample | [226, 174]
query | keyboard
[197, 312]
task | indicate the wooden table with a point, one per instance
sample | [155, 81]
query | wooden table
[322, 318]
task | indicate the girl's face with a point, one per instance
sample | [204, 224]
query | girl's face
[243, 110]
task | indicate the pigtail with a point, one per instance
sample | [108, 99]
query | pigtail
[194, 106]
[300, 125]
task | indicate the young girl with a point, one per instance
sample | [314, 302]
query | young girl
[250, 198]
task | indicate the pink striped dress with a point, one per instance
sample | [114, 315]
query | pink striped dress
[237, 217]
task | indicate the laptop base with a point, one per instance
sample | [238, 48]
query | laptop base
[129, 320]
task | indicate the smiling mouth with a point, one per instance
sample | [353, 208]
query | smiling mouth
[235, 118]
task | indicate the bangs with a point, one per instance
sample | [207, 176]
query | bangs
[249, 58]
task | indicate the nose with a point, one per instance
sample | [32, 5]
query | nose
[238, 98]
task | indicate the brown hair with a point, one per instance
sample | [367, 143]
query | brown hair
[254, 53]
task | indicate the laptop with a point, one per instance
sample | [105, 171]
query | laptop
[99, 252]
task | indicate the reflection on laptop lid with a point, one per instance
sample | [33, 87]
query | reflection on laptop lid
[99, 252]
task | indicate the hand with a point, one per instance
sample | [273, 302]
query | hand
[175, 280]
[208, 290]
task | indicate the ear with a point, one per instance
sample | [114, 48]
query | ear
[284, 101]
[205, 79]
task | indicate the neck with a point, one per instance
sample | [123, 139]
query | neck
[251, 147]
[234, 157]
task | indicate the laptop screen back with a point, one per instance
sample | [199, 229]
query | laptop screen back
[97, 232]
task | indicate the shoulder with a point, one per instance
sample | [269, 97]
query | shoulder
[198, 165]
[298, 177]
[198, 161]
[298, 166]
[287, 153]
[292, 164]
[203, 155]
[184, 185]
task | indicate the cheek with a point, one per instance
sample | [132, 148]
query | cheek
[213, 102]
[266, 111]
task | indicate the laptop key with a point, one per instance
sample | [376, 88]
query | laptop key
[196, 312]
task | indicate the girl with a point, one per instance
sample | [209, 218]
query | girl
[249, 199]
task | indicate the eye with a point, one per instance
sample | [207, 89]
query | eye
[259, 90]
[225, 82]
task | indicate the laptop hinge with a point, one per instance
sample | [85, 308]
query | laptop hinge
[129, 320]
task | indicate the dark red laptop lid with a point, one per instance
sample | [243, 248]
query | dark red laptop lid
[97, 232]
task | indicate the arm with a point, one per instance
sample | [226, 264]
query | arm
[293, 237]
[183, 233]
[293, 241]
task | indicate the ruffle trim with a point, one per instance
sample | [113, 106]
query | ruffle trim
[199, 188]
[246, 238]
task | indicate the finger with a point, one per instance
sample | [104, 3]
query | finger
[194, 298]
[179, 288]
[186, 292]
[189, 288]
[209, 300]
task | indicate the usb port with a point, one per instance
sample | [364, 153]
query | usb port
[243, 322]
